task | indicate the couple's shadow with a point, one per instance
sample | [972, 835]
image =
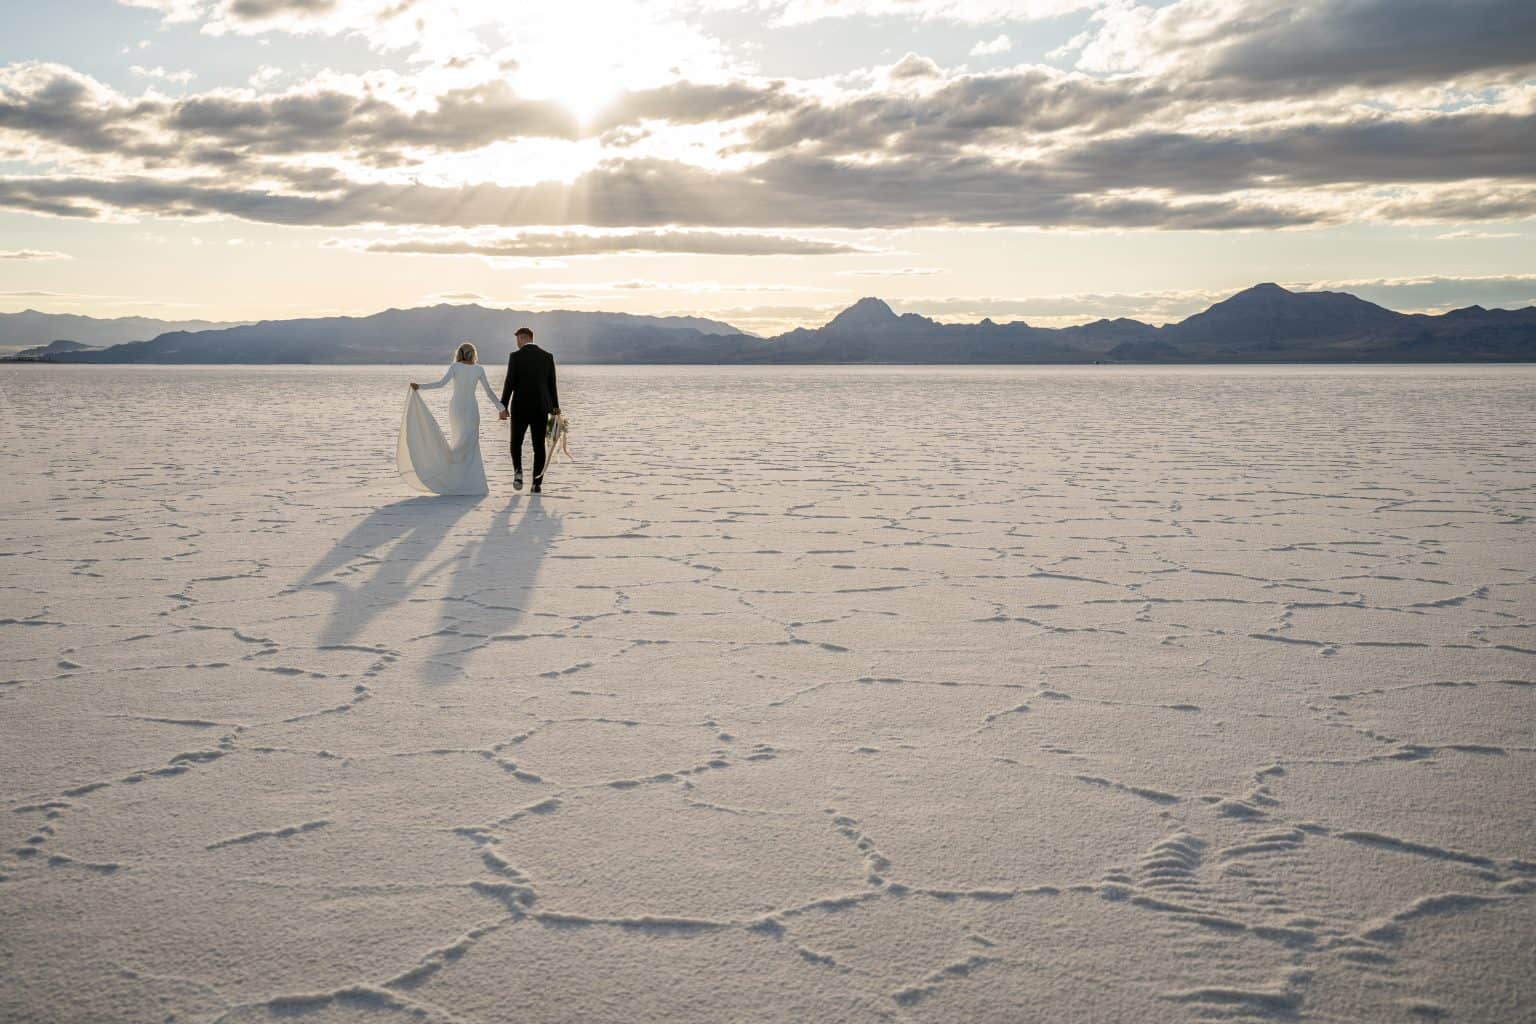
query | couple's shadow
[430, 551]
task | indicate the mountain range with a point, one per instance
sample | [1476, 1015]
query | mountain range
[1263, 324]
[31, 328]
[424, 335]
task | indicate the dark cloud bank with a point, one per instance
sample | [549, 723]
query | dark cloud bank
[1296, 143]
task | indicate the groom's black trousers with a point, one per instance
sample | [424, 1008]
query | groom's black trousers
[537, 422]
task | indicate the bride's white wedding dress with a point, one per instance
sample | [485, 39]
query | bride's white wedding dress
[427, 461]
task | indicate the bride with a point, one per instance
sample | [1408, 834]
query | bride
[427, 461]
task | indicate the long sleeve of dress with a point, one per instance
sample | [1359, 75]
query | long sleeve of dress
[447, 375]
[485, 382]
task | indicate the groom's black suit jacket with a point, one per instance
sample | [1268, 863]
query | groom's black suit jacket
[530, 383]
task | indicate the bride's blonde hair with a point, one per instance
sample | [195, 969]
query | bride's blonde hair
[466, 354]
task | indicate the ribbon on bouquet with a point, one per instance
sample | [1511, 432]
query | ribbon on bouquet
[559, 432]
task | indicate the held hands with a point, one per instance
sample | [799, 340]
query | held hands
[504, 415]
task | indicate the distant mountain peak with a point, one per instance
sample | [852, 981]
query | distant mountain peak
[867, 312]
[1268, 292]
[53, 348]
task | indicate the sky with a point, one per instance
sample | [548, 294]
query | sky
[763, 162]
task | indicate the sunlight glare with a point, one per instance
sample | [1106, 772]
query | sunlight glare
[586, 55]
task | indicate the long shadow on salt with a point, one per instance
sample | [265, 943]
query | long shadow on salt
[431, 549]
[491, 577]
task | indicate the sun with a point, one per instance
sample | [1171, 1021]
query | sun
[585, 55]
[582, 85]
[582, 58]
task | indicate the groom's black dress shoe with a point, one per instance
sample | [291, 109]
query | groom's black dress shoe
[517, 481]
[538, 488]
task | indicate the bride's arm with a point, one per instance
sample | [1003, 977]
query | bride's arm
[485, 383]
[437, 383]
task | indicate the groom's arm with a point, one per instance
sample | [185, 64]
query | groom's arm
[554, 393]
[508, 384]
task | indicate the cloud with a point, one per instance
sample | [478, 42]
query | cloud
[1255, 47]
[692, 286]
[32, 254]
[1381, 150]
[992, 47]
[265, 76]
[260, 10]
[371, 18]
[361, 15]
[799, 12]
[961, 110]
[364, 123]
[172, 10]
[981, 191]
[1278, 47]
[1106, 132]
[376, 120]
[1377, 42]
[1093, 160]
[913, 67]
[695, 103]
[1450, 235]
[586, 244]
[161, 74]
[896, 272]
[1153, 307]
[1436, 293]
[786, 192]
[1230, 115]
[337, 116]
[632, 41]
[1484, 202]
[56, 104]
[1284, 176]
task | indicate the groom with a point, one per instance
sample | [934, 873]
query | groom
[531, 386]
